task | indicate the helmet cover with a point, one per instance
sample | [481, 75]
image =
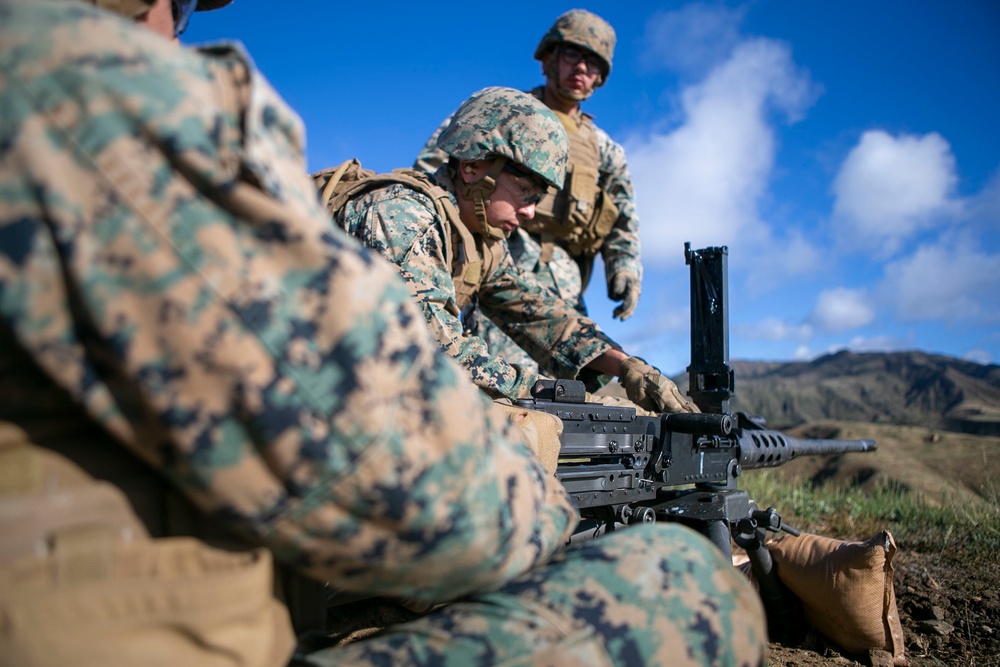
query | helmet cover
[506, 122]
[584, 29]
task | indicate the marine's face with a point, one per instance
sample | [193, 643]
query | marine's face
[513, 201]
[578, 72]
[159, 18]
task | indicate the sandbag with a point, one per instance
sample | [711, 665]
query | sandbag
[846, 589]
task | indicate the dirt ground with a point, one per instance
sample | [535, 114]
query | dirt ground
[950, 611]
[950, 616]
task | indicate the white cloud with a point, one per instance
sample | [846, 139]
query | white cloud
[880, 343]
[703, 181]
[654, 327]
[692, 39]
[984, 208]
[771, 267]
[979, 356]
[957, 281]
[773, 329]
[889, 188]
[662, 339]
[802, 353]
[842, 309]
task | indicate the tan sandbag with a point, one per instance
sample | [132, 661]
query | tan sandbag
[846, 589]
[541, 431]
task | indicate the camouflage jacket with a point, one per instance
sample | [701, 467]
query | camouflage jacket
[621, 247]
[403, 226]
[165, 266]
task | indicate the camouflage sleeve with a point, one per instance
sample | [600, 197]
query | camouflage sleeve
[548, 328]
[431, 157]
[621, 246]
[403, 226]
[209, 318]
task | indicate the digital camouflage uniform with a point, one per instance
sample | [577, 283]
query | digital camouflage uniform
[169, 287]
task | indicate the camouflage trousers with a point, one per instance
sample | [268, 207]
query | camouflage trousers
[561, 274]
[654, 594]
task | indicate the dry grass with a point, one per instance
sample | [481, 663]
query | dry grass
[968, 533]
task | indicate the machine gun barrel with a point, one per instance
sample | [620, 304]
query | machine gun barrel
[761, 448]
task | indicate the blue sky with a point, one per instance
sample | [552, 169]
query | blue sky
[847, 153]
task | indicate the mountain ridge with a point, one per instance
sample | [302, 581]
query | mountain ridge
[908, 387]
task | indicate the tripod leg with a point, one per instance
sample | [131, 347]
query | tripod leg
[784, 615]
[718, 533]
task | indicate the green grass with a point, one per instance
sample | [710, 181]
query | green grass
[967, 531]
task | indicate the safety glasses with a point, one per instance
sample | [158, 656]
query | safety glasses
[529, 187]
[572, 55]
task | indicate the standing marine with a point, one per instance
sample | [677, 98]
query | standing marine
[594, 212]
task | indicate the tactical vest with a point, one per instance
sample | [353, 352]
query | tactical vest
[581, 214]
[471, 258]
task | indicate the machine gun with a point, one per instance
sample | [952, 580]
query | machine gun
[624, 468]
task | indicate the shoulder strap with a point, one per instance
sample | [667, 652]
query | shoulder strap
[347, 181]
[338, 185]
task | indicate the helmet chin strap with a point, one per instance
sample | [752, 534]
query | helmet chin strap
[478, 193]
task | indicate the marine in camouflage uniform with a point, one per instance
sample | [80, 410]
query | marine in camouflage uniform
[571, 226]
[170, 288]
[505, 148]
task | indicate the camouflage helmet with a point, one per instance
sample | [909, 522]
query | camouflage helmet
[133, 8]
[581, 28]
[210, 5]
[504, 122]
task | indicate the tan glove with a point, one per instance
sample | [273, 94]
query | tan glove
[540, 429]
[624, 287]
[651, 389]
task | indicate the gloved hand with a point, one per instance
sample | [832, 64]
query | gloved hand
[624, 287]
[541, 431]
[651, 389]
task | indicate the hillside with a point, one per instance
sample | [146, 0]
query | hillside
[941, 466]
[906, 388]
